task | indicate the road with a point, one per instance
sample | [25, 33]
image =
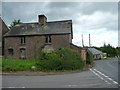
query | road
[104, 74]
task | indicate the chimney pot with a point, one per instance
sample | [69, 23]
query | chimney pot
[42, 19]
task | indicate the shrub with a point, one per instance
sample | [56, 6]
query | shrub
[89, 59]
[63, 59]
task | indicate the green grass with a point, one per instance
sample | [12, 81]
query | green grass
[103, 59]
[17, 64]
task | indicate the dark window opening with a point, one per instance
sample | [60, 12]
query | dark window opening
[10, 52]
[22, 53]
[22, 40]
[48, 39]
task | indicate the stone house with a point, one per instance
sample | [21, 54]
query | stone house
[27, 39]
[3, 30]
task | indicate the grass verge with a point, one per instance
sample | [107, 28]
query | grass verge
[17, 64]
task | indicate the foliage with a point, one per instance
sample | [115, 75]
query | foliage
[89, 59]
[15, 22]
[118, 51]
[110, 50]
[60, 60]
[17, 64]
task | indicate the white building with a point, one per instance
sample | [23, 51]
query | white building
[97, 54]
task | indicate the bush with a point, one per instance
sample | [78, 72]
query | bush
[60, 60]
[89, 59]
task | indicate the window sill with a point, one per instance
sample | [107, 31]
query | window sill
[48, 43]
[22, 44]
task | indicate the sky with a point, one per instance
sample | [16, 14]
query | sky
[99, 19]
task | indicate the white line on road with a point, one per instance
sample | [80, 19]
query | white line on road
[99, 76]
[71, 85]
[13, 87]
[105, 76]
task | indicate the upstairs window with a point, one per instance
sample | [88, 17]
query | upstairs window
[48, 39]
[10, 52]
[22, 40]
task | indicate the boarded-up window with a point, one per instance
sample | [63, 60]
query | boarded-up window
[22, 53]
[10, 52]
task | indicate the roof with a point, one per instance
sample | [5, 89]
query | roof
[56, 27]
[94, 51]
[3, 26]
[77, 46]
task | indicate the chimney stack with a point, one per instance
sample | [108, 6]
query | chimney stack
[42, 19]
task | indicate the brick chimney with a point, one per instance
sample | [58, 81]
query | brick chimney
[42, 19]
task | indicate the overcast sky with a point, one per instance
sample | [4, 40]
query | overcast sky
[99, 19]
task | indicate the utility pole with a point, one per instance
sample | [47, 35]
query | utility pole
[89, 41]
[82, 41]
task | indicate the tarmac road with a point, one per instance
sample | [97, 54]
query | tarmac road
[103, 75]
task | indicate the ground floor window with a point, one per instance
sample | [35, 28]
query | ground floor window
[10, 52]
[22, 53]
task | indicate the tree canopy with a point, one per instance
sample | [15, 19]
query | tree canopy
[110, 50]
[15, 22]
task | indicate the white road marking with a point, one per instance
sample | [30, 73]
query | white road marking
[13, 87]
[115, 82]
[109, 78]
[100, 76]
[71, 85]
[105, 76]
[106, 81]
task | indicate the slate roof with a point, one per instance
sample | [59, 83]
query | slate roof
[3, 27]
[56, 27]
[94, 51]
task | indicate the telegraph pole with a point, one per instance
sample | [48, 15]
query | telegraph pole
[82, 41]
[89, 41]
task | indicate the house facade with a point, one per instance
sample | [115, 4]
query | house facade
[27, 39]
[3, 30]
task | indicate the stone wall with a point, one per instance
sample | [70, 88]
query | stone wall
[34, 44]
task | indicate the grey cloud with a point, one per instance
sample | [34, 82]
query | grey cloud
[22, 10]
[28, 11]
[100, 6]
[83, 7]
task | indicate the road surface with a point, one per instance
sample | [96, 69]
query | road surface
[103, 75]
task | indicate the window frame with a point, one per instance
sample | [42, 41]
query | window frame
[24, 56]
[10, 52]
[22, 40]
[48, 39]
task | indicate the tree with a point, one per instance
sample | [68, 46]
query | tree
[15, 22]
[110, 50]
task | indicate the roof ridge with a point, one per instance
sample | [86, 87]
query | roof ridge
[59, 21]
[47, 22]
